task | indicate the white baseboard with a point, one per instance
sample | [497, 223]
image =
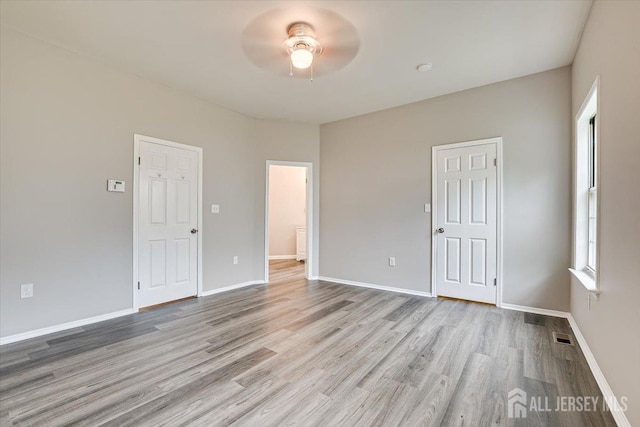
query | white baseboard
[64, 326]
[372, 286]
[83, 322]
[607, 392]
[271, 257]
[605, 389]
[231, 288]
[535, 310]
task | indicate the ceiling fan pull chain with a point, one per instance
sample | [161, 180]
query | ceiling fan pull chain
[311, 73]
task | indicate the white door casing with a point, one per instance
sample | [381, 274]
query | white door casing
[466, 221]
[308, 265]
[167, 221]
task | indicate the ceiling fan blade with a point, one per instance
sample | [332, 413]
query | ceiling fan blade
[263, 38]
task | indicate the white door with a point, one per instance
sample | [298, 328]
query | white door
[167, 223]
[466, 223]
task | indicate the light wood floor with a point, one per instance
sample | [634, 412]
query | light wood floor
[301, 353]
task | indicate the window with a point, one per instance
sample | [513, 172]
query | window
[585, 220]
[592, 196]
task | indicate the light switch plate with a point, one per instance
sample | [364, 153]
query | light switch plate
[392, 261]
[427, 207]
[215, 209]
[115, 186]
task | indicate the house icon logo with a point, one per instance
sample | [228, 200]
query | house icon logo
[517, 403]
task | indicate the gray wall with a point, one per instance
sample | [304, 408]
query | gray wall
[67, 126]
[290, 142]
[610, 48]
[376, 177]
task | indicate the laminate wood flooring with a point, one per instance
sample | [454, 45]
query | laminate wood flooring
[298, 353]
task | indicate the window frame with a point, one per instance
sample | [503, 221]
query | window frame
[586, 194]
[592, 193]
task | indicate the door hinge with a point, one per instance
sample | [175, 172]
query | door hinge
[139, 160]
[495, 282]
[495, 162]
[138, 285]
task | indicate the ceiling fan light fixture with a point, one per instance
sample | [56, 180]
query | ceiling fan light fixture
[301, 46]
[301, 58]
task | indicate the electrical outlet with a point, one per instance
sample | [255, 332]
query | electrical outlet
[26, 291]
[235, 260]
[392, 261]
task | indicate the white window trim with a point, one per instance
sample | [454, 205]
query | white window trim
[580, 270]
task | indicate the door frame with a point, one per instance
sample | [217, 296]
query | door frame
[434, 208]
[309, 261]
[137, 138]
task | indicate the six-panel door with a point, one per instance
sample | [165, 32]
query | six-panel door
[466, 253]
[167, 223]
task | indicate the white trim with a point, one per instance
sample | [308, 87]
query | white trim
[536, 310]
[372, 286]
[308, 265]
[587, 279]
[499, 211]
[275, 257]
[579, 227]
[231, 288]
[64, 326]
[136, 153]
[618, 415]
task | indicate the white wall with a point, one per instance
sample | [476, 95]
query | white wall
[67, 126]
[610, 48]
[287, 207]
[376, 177]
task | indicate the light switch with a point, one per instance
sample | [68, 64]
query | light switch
[215, 209]
[116, 186]
[427, 207]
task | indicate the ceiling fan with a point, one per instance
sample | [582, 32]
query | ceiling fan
[289, 42]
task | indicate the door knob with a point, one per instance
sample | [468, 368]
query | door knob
[440, 230]
[194, 231]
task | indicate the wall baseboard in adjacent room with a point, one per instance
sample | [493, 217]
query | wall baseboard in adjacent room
[231, 288]
[373, 286]
[64, 326]
[271, 257]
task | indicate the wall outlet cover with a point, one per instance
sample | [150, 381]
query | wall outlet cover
[26, 291]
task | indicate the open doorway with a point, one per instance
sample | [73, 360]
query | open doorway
[288, 220]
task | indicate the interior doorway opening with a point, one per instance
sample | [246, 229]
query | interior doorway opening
[288, 219]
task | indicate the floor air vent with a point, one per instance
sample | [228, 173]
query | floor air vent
[561, 338]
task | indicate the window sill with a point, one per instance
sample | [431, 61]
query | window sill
[587, 280]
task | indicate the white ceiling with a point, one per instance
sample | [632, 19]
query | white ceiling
[196, 46]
